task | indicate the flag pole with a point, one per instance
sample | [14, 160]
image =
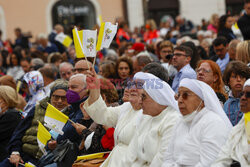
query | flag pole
[77, 35]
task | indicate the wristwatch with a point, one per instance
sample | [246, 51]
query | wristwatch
[15, 153]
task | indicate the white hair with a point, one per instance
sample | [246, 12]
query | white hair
[82, 76]
[65, 63]
[42, 36]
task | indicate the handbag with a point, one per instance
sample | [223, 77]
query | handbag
[64, 155]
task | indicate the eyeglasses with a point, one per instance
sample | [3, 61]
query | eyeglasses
[80, 70]
[166, 51]
[179, 54]
[184, 95]
[203, 70]
[57, 97]
[143, 97]
[246, 94]
[68, 73]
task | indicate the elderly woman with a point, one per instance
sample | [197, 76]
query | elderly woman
[203, 129]
[154, 131]
[123, 117]
[9, 81]
[9, 117]
[209, 72]
[23, 144]
[33, 86]
[236, 150]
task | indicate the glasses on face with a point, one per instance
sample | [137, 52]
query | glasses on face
[143, 97]
[166, 51]
[203, 70]
[179, 54]
[183, 95]
[246, 94]
[80, 70]
[57, 97]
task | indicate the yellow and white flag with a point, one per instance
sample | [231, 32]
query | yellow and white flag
[247, 125]
[89, 42]
[55, 119]
[106, 34]
[63, 39]
[78, 37]
[43, 136]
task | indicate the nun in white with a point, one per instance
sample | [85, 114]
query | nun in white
[237, 147]
[203, 129]
[123, 118]
[160, 114]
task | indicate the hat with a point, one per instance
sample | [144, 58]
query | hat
[138, 47]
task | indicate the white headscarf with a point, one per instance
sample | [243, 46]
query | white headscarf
[247, 83]
[157, 89]
[207, 94]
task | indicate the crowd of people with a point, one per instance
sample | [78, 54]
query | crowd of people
[173, 95]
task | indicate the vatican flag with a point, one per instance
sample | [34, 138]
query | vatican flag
[43, 136]
[89, 42]
[106, 34]
[63, 39]
[55, 119]
[247, 125]
[78, 37]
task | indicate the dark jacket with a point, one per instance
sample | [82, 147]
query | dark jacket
[77, 117]
[244, 26]
[227, 33]
[8, 122]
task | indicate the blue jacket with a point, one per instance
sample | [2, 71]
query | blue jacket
[232, 109]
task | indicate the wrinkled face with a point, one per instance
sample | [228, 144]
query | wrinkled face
[236, 82]
[247, 8]
[220, 50]
[126, 95]
[123, 70]
[180, 59]
[229, 22]
[26, 66]
[148, 104]
[77, 85]
[188, 101]
[135, 98]
[205, 74]
[81, 67]
[58, 99]
[164, 52]
[66, 72]
[245, 100]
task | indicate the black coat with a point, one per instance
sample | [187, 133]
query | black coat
[8, 122]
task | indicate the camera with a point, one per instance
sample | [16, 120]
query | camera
[169, 56]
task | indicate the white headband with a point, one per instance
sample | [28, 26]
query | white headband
[247, 83]
[157, 89]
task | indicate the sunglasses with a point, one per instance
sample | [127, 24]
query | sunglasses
[184, 95]
[246, 94]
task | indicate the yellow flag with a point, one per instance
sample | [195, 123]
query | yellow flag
[43, 136]
[55, 119]
[18, 85]
[247, 125]
[106, 35]
[78, 45]
[90, 156]
[63, 39]
[29, 165]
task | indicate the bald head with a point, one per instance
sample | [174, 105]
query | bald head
[82, 66]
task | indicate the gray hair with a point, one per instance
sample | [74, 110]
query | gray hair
[82, 76]
[37, 62]
[64, 64]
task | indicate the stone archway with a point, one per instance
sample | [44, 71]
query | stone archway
[52, 3]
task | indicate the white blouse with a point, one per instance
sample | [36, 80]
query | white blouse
[236, 148]
[124, 118]
[197, 141]
[152, 137]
